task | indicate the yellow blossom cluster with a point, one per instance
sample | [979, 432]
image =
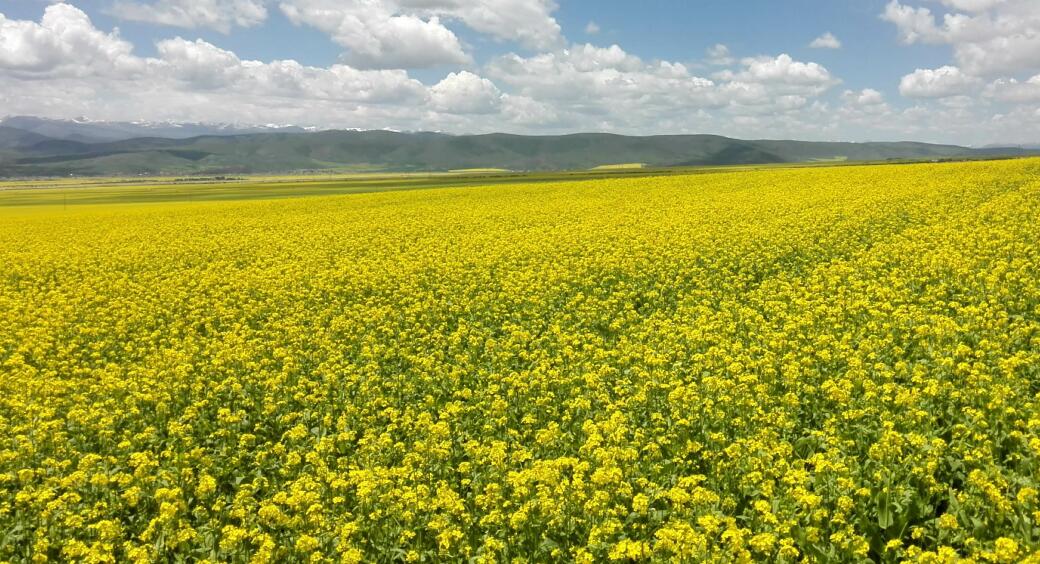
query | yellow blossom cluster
[820, 364]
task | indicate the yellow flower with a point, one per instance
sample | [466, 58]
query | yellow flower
[628, 549]
[1005, 550]
[306, 544]
[206, 486]
[640, 503]
[947, 521]
[231, 536]
[763, 543]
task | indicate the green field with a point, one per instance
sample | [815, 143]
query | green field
[65, 192]
[620, 166]
[75, 191]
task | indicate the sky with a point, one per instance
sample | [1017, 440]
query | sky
[948, 71]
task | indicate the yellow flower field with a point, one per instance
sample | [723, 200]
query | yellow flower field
[824, 364]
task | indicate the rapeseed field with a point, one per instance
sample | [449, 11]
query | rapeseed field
[827, 364]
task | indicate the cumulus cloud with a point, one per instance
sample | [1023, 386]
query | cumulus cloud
[376, 33]
[865, 109]
[826, 41]
[613, 89]
[64, 43]
[591, 28]
[937, 83]
[220, 15]
[1008, 54]
[865, 97]
[522, 110]
[1014, 91]
[783, 73]
[412, 33]
[528, 22]
[995, 40]
[719, 55]
[973, 5]
[66, 66]
[590, 75]
[198, 66]
[988, 37]
[601, 88]
[376, 37]
[583, 87]
[914, 24]
[63, 66]
[199, 63]
[465, 93]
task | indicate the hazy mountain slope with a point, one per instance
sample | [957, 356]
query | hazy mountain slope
[89, 131]
[795, 151]
[13, 138]
[385, 150]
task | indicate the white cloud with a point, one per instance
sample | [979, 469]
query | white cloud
[786, 70]
[64, 66]
[412, 33]
[64, 43]
[865, 110]
[199, 63]
[960, 101]
[376, 37]
[915, 24]
[997, 40]
[591, 28]
[523, 110]
[865, 97]
[198, 66]
[988, 37]
[220, 15]
[589, 58]
[465, 93]
[937, 83]
[784, 74]
[973, 5]
[826, 41]
[591, 75]
[600, 88]
[744, 93]
[998, 55]
[1014, 91]
[528, 22]
[719, 55]
[610, 89]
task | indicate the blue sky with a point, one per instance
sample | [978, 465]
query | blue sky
[962, 71]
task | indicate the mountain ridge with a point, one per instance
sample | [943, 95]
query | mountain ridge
[93, 131]
[30, 153]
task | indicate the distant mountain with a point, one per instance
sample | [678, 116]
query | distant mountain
[90, 131]
[394, 151]
[1027, 146]
[12, 138]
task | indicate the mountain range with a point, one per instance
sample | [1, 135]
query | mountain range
[31, 146]
[92, 131]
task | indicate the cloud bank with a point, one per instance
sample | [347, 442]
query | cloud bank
[64, 65]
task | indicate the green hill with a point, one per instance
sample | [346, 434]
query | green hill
[29, 154]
